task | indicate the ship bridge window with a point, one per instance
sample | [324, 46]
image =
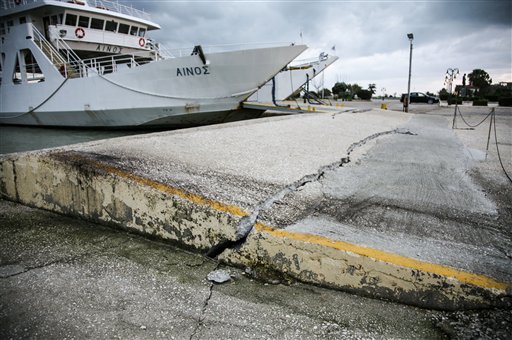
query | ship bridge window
[70, 19]
[123, 28]
[83, 21]
[56, 19]
[2, 28]
[142, 32]
[133, 30]
[97, 23]
[111, 26]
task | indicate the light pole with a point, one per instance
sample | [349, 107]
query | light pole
[451, 74]
[411, 37]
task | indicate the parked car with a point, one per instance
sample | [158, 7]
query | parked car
[418, 97]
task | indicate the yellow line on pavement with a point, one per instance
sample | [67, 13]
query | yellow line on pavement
[194, 198]
[470, 278]
[465, 277]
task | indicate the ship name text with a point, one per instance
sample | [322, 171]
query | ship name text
[109, 48]
[192, 71]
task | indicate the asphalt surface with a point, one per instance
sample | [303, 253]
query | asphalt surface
[405, 183]
[412, 194]
[62, 278]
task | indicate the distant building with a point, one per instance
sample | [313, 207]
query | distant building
[465, 91]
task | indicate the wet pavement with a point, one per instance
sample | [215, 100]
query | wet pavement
[380, 203]
[413, 200]
[65, 278]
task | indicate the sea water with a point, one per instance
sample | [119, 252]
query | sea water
[19, 139]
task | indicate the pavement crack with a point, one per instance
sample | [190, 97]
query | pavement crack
[44, 265]
[15, 180]
[200, 321]
[247, 223]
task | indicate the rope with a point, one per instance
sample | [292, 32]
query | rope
[38, 106]
[474, 126]
[274, 93]
[47, 99]
[498, 149]
[492, 124]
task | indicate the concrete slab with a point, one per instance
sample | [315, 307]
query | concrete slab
[66, 278]
[320, 197]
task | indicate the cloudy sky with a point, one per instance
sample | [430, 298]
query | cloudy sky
[370, 37]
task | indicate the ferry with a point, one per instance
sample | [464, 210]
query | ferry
[92, 63]
[292, 79]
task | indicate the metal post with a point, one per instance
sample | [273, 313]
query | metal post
[489, 135]
[411, 37]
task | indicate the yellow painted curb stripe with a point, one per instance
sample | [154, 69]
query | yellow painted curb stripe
[194, 198]
[470, 278]
[465, 277]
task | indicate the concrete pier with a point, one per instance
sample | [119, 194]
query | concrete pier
[378, 202]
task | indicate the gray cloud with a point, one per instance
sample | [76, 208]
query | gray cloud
[369, 35]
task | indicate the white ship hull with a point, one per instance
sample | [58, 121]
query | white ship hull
[177, 91]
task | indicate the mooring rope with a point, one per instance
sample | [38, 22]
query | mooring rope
[41, 104]
[473, 126]
[498, 149]
[492, 124]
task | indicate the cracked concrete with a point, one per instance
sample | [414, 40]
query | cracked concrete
[130, 287]
[247, 223]
[202, 317]
[207, 188]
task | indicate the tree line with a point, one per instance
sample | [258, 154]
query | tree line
[346, 91]
[478, 87]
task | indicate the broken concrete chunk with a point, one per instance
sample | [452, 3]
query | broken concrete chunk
[219, 276]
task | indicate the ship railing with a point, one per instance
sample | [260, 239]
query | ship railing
[114, 6]
[75, 67]
[62, 62]
[120, 8]
[162, 52]
[110, 64]
[48, 49]
[181, 52]
[9, 4]
[309, 61]
[101, 65]
[72, 66]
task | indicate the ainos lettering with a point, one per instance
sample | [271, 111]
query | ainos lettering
[192, 71]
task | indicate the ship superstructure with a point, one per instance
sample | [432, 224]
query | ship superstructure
[92, 64]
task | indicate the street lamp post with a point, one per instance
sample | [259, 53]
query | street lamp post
[407, 101]
[451, 74]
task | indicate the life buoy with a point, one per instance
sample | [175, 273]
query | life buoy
[142, 42]
[79, 33]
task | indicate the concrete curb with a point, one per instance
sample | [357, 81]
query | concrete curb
[73, 184]
[77, 184]
[367, 271]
